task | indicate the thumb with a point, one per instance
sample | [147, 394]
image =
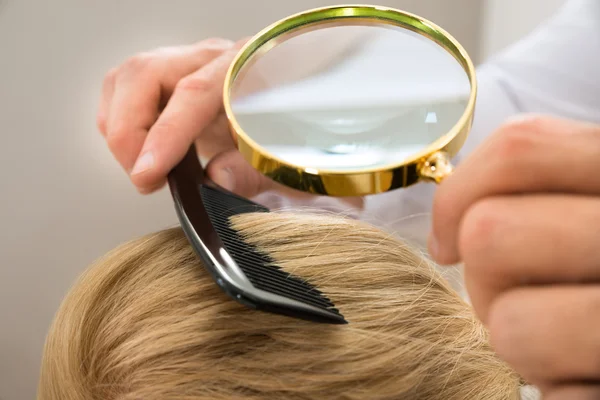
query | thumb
[231, 171]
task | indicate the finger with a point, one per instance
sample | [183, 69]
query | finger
[574, 392]
[196, 102]
[108, 88]
[534, 155]
[215, 139]
[231, 171]
[549, 334]
[513, 240]
[184, 60]
[134, 108]
[141, 84]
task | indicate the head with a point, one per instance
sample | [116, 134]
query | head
[147, 322]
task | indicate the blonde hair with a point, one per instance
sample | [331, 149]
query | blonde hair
[147, 322]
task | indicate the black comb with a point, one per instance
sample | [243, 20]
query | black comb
[246, 274]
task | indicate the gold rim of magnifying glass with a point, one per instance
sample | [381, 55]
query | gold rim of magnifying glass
[431, 164]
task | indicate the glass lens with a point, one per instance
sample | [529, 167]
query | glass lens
[349, 97]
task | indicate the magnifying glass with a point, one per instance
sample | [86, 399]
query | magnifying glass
[351, 100]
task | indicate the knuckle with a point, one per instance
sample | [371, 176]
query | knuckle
[117, 138]
[516, 139]
[213, 47]
[164, 127]
[139, 62]
[167, 133]
[216, 43]
[166, 51]
[533, 123]
[195, 83]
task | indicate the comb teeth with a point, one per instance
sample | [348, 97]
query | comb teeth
[258, 266]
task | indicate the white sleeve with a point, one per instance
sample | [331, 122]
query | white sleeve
[555, 70]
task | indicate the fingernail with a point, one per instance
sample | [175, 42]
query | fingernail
[143, 163]
[226, 179]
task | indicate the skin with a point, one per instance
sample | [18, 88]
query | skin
[157, 103]
[522, 212]
[523, 215]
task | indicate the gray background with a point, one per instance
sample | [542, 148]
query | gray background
[64, 201]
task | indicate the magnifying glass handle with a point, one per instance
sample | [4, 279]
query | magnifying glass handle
[436, 167]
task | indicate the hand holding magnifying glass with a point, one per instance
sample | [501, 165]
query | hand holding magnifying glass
[523, 214]
[156, 104]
